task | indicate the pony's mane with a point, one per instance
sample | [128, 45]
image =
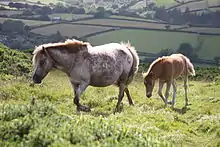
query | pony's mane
[69, 44]
[152, 65]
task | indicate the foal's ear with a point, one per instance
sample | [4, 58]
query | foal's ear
[151, 74]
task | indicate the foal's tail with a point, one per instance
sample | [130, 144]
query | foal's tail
[190, 67]
[135, 64]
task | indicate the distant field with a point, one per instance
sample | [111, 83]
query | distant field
[203, 29]
[69, 16]
[27, 22]
[46, 1]
[24, 1]
[154, 41]
[9, 12]
[199, 5]
[165, 3]
[124, 23]
[131, 18]
[69, 30]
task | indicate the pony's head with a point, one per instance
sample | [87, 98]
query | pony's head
[149, 82]
[42, 64]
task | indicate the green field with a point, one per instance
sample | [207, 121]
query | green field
[69, 30]
[27, 22]
[154, 41]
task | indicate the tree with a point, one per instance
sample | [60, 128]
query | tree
[217, 60]
[165, 52]
[13, 26]
[187, 50]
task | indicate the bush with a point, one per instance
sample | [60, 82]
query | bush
[14, 62]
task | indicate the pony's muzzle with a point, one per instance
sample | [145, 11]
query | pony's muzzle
[149, 95]
[36, 79]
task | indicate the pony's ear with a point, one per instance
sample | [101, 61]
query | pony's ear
[44, 50]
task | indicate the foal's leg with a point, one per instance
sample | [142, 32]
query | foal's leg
[185, 88]
[129, 96]
[167, 93]
[121, 95]
[161, 83]
[174, 93]
[78, 90]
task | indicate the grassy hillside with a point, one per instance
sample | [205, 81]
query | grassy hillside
[153, 41]
[52, 120]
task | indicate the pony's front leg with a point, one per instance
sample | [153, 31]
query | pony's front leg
[161, 83]
[167, 93]
[78, 90]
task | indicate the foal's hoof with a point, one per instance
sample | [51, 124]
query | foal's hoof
[83, 108]
[169, 102]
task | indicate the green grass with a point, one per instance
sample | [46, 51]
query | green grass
[27, 22]
[69, 30]
[154, 41]
[53, 119]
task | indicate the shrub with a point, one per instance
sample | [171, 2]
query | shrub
[14, 62]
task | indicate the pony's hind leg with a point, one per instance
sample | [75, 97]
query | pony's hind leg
[185, 88]
[129, 96]
[174, 93]
[120, 96]
[78, 90]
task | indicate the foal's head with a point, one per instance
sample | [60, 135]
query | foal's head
[42, 64]
[149, 82]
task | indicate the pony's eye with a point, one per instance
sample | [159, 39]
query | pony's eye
[41, 62]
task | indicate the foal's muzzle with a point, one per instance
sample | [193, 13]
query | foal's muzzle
[37, 79]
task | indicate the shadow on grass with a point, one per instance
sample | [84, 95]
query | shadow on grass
[181, 110]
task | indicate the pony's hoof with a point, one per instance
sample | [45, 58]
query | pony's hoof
[83, 108]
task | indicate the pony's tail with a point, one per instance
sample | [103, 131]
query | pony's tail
[135, 64]
[190, 67]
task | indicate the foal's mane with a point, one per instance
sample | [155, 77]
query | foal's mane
[70, 45]
[158, 60]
